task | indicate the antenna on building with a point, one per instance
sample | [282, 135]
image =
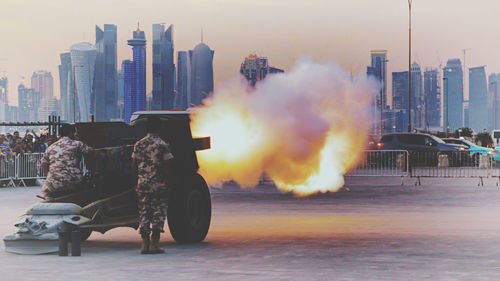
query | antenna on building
[202, 35]
[439, 60]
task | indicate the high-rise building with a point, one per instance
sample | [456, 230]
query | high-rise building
[135, 76]
[4, 103]
[83, 62]
[105, 89]
[43, 83]
[121, 85]
[466, 114]
[163, 68]
[378, 69]
[13, 114]
[417, 97]
[432, 99]
[50, 107]
[478, 99]
[399, 101]
[453, 95]
[66, 86]
[255, 68]
[494, 101]
[202, 73]
[183, 95]
[28, 104]
[400, 90]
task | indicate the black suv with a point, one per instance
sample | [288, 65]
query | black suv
[424, 148]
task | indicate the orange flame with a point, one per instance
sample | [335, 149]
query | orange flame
[304, 129]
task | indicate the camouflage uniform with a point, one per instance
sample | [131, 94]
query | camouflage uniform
[64, 158]
[150, 153]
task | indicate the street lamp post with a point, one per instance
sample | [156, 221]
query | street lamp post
[446, 107]
[409, 65]
[382, 127]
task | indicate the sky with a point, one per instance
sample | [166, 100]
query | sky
[35, 32]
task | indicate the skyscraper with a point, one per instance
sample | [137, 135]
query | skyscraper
[255, 68]
[50, 107]
[432, 99]
[494, 101]
[83, 62]
[478, 99]
[163, 68]
[400, 90]
[105, 78]
[135, 76]
[66, 86]
[121, 90]
[202, 73]
[43, 83]
[4, 102]
[417, 96]
[378, 68]
[453, 94]
[28, 104]
[400, 100]
[183, 96]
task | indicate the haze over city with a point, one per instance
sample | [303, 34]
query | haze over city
[342, 31]
[250, 140]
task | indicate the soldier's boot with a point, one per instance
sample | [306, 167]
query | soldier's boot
[145, 244]
[154, 247]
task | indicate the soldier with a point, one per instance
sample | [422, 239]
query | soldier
[61, 164]
[151, 165]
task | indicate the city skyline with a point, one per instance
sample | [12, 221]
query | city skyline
[350, 23]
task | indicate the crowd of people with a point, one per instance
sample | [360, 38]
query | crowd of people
[14, 144]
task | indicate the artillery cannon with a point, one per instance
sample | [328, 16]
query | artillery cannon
[108, 198]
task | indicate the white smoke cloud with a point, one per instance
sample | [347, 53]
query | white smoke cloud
[304, 128]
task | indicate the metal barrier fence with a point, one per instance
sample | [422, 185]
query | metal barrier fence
[29, 167]
[447, 164]
[15, 170]
[387, 163]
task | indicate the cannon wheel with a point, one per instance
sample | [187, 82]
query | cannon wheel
[190, 211]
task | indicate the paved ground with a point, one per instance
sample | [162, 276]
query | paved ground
[377, 230]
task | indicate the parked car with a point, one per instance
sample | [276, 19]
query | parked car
[475, 150]
[424, 149]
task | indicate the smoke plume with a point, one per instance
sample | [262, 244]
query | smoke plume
[304, 129]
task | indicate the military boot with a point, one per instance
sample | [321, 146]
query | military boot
[145, 244]
[155, 241]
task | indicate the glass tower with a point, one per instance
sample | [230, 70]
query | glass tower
[135, 76]
[432, 98]
[105, 100]
[163, 68]
[66, 86]
[453, 95]
[4, 104]
[202, 73]
[83, 62]
[494, 101]
[417, 97]
[378, 67]
[28, 102]
[478, 99]
[183, 96]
